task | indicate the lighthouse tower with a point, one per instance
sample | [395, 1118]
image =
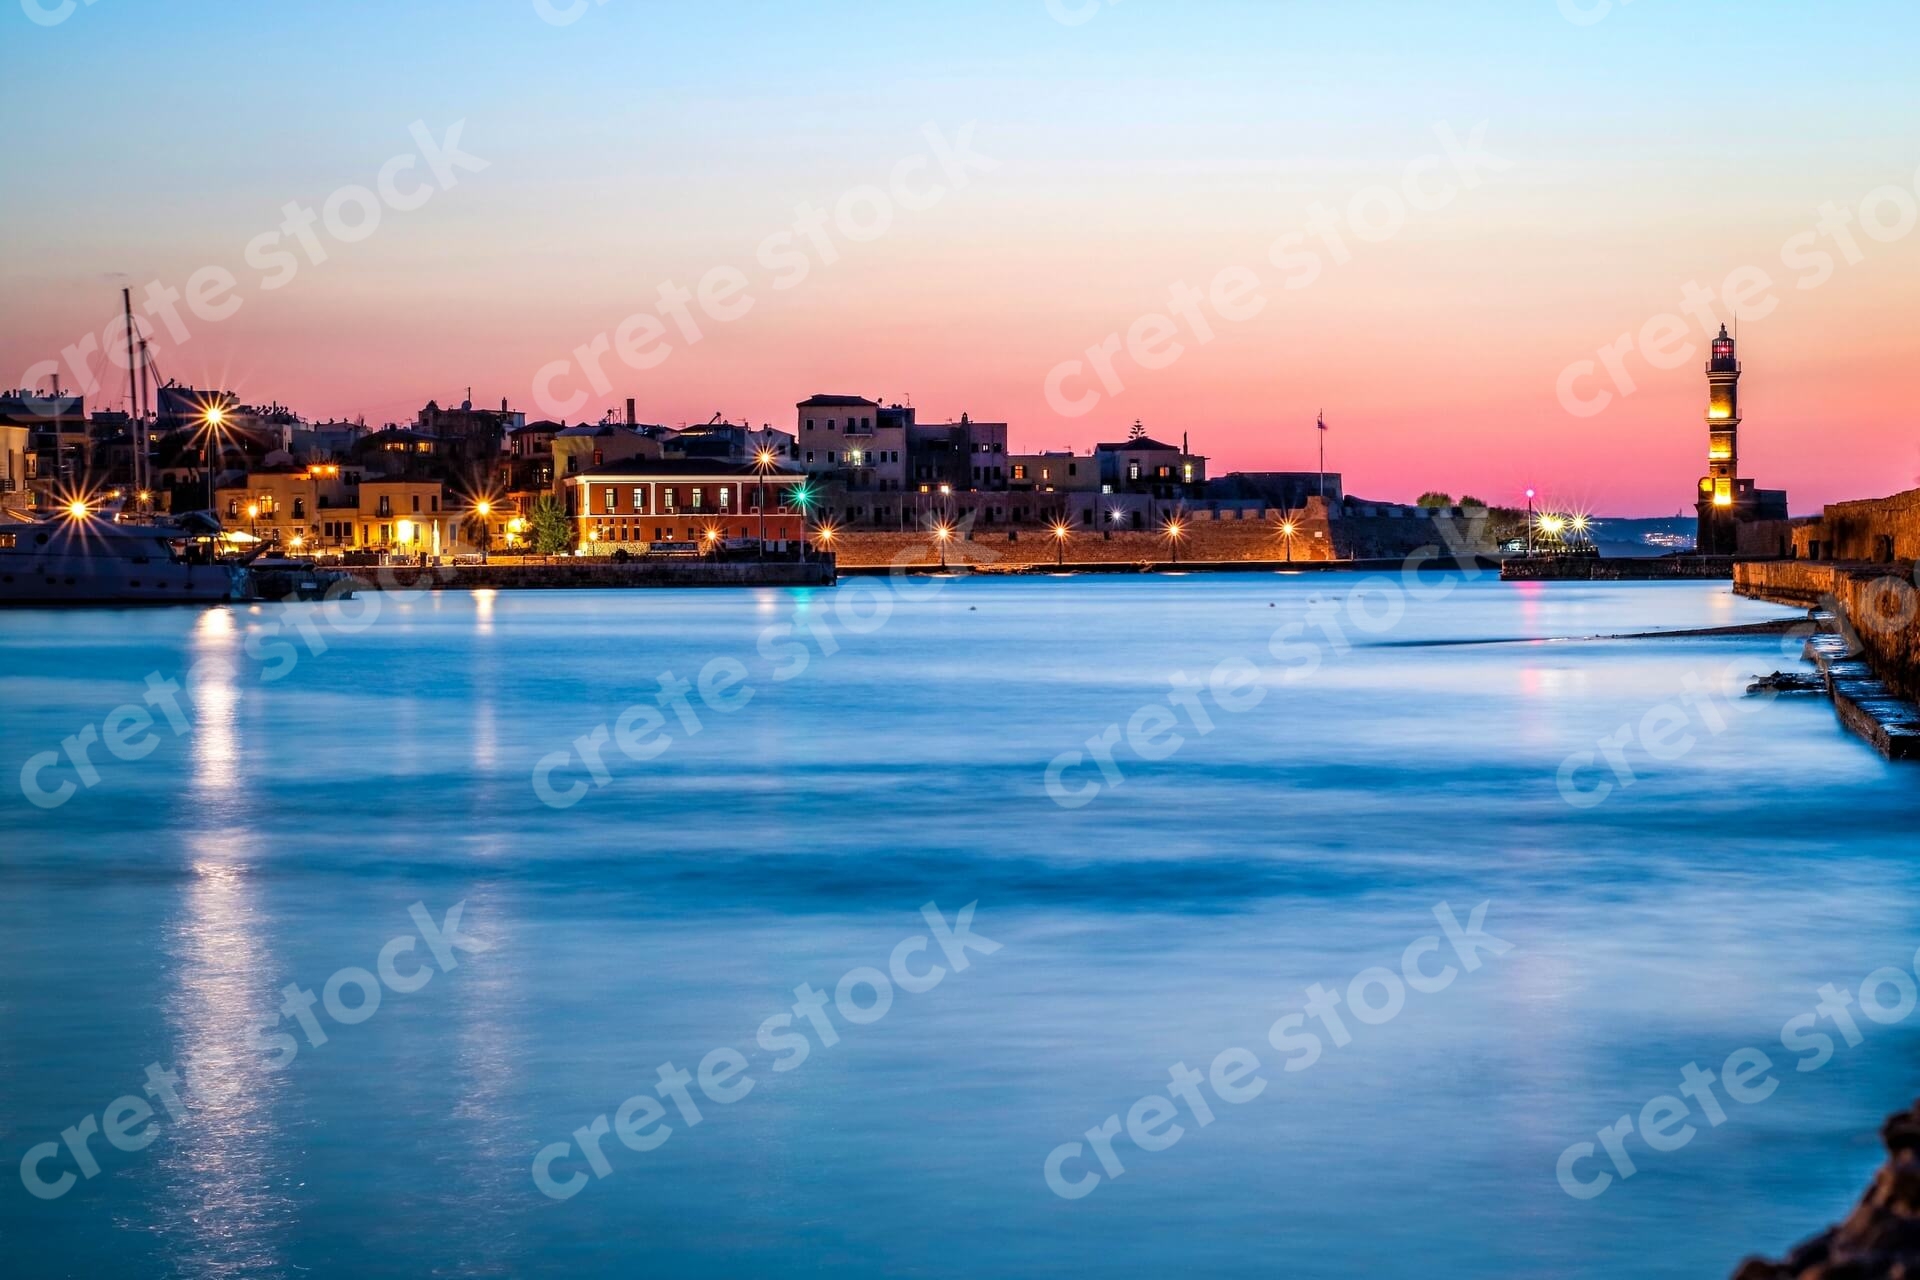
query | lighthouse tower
[1726, 501]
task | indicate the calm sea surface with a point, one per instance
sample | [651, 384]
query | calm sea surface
[157, 915]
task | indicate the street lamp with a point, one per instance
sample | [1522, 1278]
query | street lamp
[1061, 531]
[1529, 522]
[943, 534]
[483, 509]
[77, 509]
[1287, 529]
[763, 463]
[711, 538]
[827, 533]
[1174, 530]
[253, 518]
[211, 418]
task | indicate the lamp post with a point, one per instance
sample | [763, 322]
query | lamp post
[712, 541]
[211, 420]
[1529, 522]
[483, 509]
[762, 463]
[1173, 536]
[943, 534]
[1287, 530]
[1060, 534]
[253, 518]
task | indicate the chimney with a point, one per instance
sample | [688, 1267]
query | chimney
[629, 410]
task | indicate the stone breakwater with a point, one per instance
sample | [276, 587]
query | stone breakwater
[1359, 533]
[580, 574]
[1880, 1240]
[1878, 602]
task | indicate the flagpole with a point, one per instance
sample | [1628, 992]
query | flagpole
[1322, 424]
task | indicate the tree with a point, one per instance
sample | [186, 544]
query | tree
[1138, 431]
[1436, 499]
[552, 531]
[1470, 501]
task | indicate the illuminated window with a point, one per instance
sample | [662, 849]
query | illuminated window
[610, 500]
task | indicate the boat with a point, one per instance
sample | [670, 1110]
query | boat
[84, 558]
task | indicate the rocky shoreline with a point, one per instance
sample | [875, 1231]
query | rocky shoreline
[1880, 1240]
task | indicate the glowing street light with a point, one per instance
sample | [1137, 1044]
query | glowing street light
[1287, 529]
[77, 509]
[212, 418]
[483, 509]
[1174, 530]
[763, 460]
[826, 533]
[1061, 532]
[943, 534]
[253, 518]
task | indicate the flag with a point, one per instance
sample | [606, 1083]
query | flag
[1323, 422]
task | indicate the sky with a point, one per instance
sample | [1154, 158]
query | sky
[1420, 219]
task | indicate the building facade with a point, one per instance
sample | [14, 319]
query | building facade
[686, 502]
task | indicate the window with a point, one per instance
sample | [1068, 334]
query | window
[829, 424]
[610, 500]
[233, 508]
[386, 509]
[809, 455]
[671, 497]
[416, 503]
[1020, 471]
[1164, 473]
[698, 494]
[809, 424]
[639, 500]
[726, 497]
[832, 457]
[1073, 468]
[1133, 471]
[1186, 472]
[433, 502]
[299, 508]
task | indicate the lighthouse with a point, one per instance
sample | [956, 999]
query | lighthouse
[1727, 502]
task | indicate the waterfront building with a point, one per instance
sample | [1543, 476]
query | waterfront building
[685, 501]
[1145, 466]
[1726, 500]
[470, 432]
[578, 450]
[18, 467]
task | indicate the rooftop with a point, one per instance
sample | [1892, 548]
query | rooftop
[838, 402]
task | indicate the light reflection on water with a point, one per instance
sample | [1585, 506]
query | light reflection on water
[671, 911]
[226, 1206]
